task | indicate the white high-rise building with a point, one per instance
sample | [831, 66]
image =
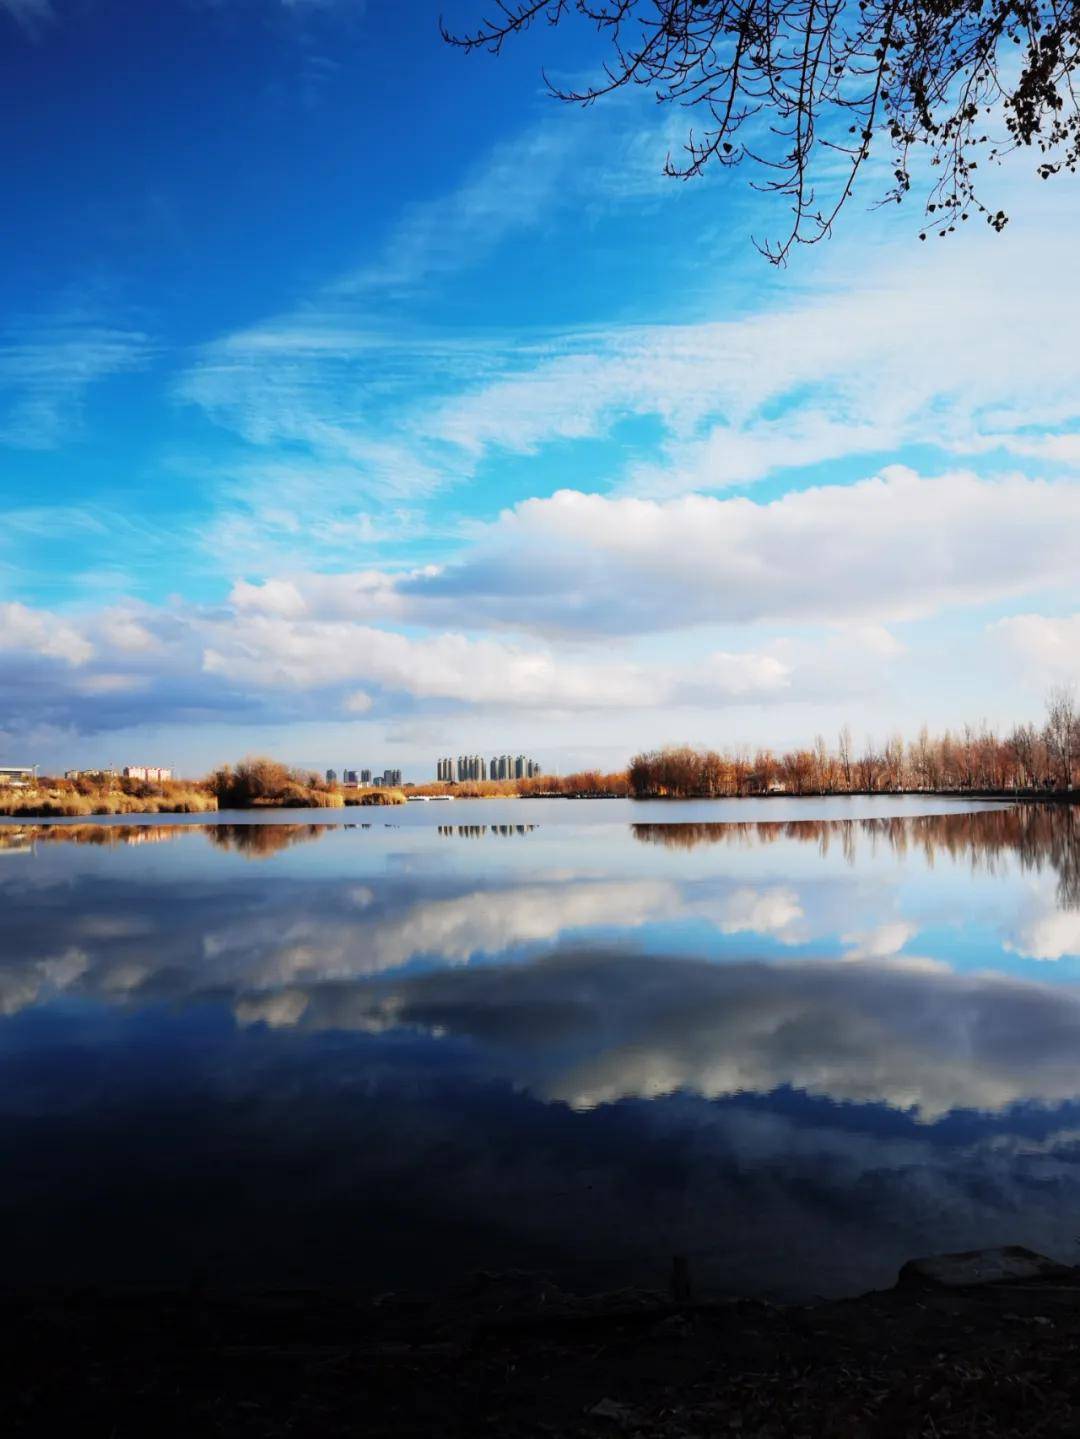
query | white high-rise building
[476, 767]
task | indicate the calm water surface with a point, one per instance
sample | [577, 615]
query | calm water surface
[797, 1041]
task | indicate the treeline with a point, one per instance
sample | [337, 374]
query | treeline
[591, 782]
[1039, 836]
[1043, 758]
[258, 783]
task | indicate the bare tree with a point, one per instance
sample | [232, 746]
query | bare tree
[1062, 733]
[802, 89]
[844, 755]
[893, 759]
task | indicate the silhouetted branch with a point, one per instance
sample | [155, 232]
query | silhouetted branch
[787, 84]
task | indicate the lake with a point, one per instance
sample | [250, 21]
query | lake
[797, 1041]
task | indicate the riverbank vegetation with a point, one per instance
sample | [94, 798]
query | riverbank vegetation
[1029, 759]
[89, 796]
[1033, 760]
[260, 783]
[582, 784]
[254, 783]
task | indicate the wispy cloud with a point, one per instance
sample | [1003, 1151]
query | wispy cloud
[48, 365]
[349, 378]
[511, 190]
[31, 15]
[318, 384]
[905, 354]
[565, 165]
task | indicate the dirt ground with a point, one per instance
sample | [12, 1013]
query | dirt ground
[511, 1355]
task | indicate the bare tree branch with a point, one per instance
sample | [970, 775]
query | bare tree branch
[787, 86]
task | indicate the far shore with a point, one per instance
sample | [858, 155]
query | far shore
[673, 773]
[24, 809]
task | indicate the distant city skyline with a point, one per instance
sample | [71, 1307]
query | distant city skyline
[464, 767]
[352, 777]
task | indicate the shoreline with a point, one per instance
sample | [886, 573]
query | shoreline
[976, 1344]
[46, 814]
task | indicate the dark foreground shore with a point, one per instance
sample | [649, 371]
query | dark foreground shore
[966, 1352]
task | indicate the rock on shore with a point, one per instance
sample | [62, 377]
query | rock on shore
[982, 1344]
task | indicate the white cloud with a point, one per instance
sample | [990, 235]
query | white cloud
[272, 958]
[895, 547]
[357, 405]
[1046, 929]
[882, 942]
[364, 594]
[24, 986]
[267, 659]
[459, 929]
[275, 651]
[873, 1033]
[776, 911]
[524, 620]
[122, 630]
[1047, 647]
[109, 684]
[278, 1011]
[1049, 936]
[37, 632]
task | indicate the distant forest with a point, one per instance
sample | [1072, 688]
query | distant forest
[1043, 758]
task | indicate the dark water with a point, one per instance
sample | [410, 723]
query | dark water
[798, 1048]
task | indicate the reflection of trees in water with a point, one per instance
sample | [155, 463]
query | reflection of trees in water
[477, 831]
[26, 837]
[259, 841]
[256, 841]
[1037, 836]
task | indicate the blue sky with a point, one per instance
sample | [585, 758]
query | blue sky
[359, 403]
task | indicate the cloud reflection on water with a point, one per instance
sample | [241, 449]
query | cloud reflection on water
[560, 961]
[743, 1041]
[589, 1029]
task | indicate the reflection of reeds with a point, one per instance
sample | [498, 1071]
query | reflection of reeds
[12, 837]
[255, 841]
[259, 841]
[1039, 835]
[64, 801]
